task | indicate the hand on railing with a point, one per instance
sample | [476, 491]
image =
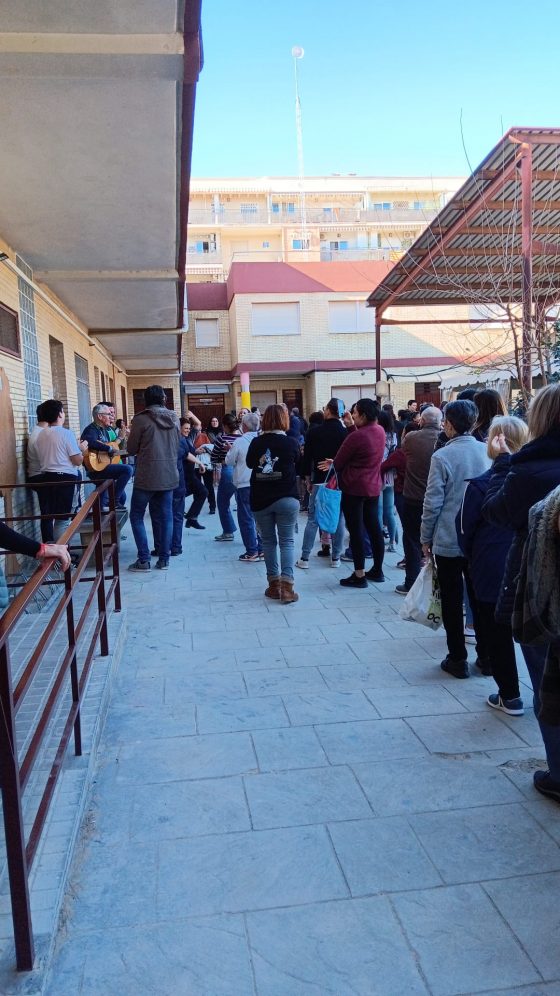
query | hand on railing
[55, 551]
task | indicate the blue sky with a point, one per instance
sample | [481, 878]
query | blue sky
[384, 86]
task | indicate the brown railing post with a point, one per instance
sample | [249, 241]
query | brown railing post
[13, 821]
[74, 678]
[100, 570]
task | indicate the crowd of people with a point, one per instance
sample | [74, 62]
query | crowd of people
[457, 486]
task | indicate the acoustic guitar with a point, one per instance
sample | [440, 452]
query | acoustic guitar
[96, 460]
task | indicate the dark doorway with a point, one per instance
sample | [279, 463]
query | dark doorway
[207, 406]
[293, 398]
[124, 412]
[428, 394]
[138, 399]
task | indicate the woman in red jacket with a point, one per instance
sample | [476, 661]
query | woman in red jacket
[358, 465]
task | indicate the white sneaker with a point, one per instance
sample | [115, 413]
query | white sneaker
[335, 563]
[304, 564]
[470, 636]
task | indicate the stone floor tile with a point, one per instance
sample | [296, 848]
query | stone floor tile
[284, 680]
[489, 842]
[257, 658]
[114, 885]
[187, 757]
[224, 716]
[382, 855]
[350, 743]
[531, 908]
[127, 725]
[417, 700]
[373, 613]
[322, 654]
[429, 784]
[187, 688]
[141, 691]
[294, 747]
[388, 650]
[463, 732]
[246, 871]
[537, 989]
[328, 707]
[290, 636]
[186, 809]
[170, 959]
[313, 795]
[349, 948]
[461, 942]
[348, 677]
[231, 640]
[354, 632]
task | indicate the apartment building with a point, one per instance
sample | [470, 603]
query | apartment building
[325, 218]
[300, 333]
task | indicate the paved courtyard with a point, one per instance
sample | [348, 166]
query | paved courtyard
[297, 800]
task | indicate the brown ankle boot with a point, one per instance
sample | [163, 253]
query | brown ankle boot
[273, 590]
[287, 592]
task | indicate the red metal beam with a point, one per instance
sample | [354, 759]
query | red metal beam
[447, 236]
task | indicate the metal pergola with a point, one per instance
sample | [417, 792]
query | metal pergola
[497, 240]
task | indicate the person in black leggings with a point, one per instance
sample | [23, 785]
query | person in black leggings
[358, 465]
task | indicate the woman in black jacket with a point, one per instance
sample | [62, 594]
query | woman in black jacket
[486, 548]
[517, 483]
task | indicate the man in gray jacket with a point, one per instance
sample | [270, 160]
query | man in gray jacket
[451, 467]
[154, 441]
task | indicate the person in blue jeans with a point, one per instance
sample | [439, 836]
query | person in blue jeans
[185, 454]
[322, 441]
[235, 459]
[273, 458]
[226, 487]
[154, 440]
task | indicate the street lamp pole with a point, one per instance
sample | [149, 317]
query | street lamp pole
[298, 53]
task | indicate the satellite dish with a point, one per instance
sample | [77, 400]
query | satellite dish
[297, 52]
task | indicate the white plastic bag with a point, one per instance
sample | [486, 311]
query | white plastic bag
[423, 602]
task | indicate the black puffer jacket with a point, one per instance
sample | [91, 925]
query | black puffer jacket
[516, 483]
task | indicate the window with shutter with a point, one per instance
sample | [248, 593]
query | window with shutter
[9, 331]
[275, 318]
[350, 316]
[206, 332]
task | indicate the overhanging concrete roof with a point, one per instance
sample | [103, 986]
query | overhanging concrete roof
[96, 121]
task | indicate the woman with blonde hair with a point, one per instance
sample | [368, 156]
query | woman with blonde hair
[518, 481]
[486, 548]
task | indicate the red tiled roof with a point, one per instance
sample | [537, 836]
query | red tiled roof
[305, 278]
[207, 297]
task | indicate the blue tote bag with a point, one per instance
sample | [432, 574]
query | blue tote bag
[327, 503]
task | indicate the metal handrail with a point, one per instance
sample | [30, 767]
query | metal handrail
[15, 775]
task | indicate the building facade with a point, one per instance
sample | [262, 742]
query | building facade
[327, 218]
[300, 333]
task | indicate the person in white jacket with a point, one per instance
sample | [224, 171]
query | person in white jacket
[235, 458]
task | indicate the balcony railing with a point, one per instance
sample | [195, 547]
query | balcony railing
[314, 216]
[349, 255]
[59, 659]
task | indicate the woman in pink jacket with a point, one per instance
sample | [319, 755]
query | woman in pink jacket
[358, 465]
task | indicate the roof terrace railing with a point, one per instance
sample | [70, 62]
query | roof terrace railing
[72, 646]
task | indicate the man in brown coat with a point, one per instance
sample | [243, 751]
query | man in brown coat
[418, 448]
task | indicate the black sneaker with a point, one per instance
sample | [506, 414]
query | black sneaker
[162, 565]
[211, 511]
[325, 551]
[154, 553]
[459, 669]
[176, 553]
[376, 576]
[193, 524]
[402, 589]
[139, 565]
[353, 581]
[546, 785]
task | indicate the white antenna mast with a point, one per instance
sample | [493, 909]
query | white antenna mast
[298, 53]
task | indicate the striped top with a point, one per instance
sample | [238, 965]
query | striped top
[221, 446]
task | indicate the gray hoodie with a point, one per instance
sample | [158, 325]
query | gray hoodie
[154, 440]
[462, 458]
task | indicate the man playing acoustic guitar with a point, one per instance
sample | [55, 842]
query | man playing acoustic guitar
[103, 458]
